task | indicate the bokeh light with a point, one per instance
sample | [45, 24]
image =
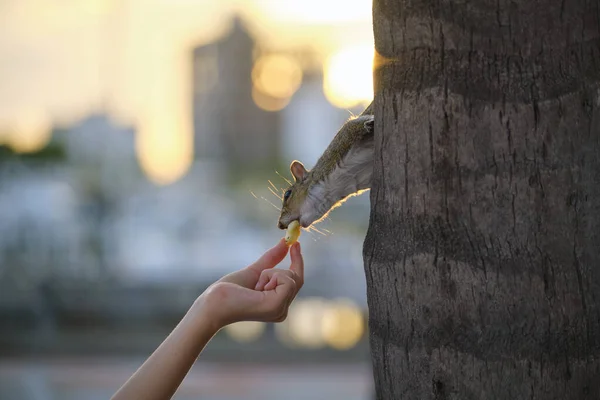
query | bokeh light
[275, 78]
[163, 150]
[245, 331]
[314, 323]
[29, 133]
[277, 75]
[146, 61]
[348, 76]
[302, 328]
[268, 103]
[305, 323]
[343, 324]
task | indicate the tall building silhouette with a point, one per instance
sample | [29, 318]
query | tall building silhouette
[227, 123]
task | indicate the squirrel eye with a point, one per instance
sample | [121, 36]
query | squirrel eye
[287, 194]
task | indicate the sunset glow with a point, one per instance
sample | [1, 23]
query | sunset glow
[277, 75]
[267, 102]
[349, 77]
[130, 58]
[30, 132]
[164, 148]
[317, 11]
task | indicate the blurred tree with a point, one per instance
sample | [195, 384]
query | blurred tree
[5, 152]
[53, 152]
[482, 256]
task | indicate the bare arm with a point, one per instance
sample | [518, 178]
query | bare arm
[161, 374]
[257, 293]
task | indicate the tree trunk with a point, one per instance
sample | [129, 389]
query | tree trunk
[483, 251]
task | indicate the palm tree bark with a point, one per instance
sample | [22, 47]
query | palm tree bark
[482, 256]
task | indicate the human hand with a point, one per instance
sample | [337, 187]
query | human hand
[258, 292]
[255, 293]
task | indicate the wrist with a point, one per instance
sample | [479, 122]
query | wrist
[204, 317]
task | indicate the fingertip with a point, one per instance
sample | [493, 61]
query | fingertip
[281, 245]
[271, 257]
[296, 251]
[297, 259]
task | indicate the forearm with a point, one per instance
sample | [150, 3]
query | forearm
[162, 373]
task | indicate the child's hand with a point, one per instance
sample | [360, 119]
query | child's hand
[258, 292]
[255, 293]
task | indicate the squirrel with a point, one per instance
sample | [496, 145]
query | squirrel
[342, 171]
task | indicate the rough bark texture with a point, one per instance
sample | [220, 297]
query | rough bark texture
[483, 251]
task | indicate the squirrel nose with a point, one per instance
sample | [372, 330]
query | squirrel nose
[281, 226]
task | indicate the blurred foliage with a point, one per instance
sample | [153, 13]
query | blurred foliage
[53, 151]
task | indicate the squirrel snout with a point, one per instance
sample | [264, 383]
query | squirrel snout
[281, 225]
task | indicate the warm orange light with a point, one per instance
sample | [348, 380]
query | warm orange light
[96, 7]
[75, 63]
[317, 11]
[245, 331]
[343, 325]
[305, 320]
[165, 141]
[348, 77]
[268, 103]
[277, 75]
[165, 152]
[303, 326]
[30, 133]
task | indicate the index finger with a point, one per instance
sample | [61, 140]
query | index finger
[271, 258]
[297, 265]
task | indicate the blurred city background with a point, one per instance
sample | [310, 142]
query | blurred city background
[144, 145]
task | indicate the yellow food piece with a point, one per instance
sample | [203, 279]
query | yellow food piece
[293, 233]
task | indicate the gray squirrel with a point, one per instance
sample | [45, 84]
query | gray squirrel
[343, 170]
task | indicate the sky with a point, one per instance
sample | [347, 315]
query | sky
[62, 59]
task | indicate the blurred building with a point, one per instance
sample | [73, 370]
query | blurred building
[103, 152]
[227, 122]
[88, 223]
[310, 121]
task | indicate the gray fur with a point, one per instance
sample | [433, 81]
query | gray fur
[345, 169]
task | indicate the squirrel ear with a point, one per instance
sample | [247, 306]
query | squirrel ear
[298, 170]
[370, 124]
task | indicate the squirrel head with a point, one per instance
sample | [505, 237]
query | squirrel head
[295, 196]
[344, 169]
